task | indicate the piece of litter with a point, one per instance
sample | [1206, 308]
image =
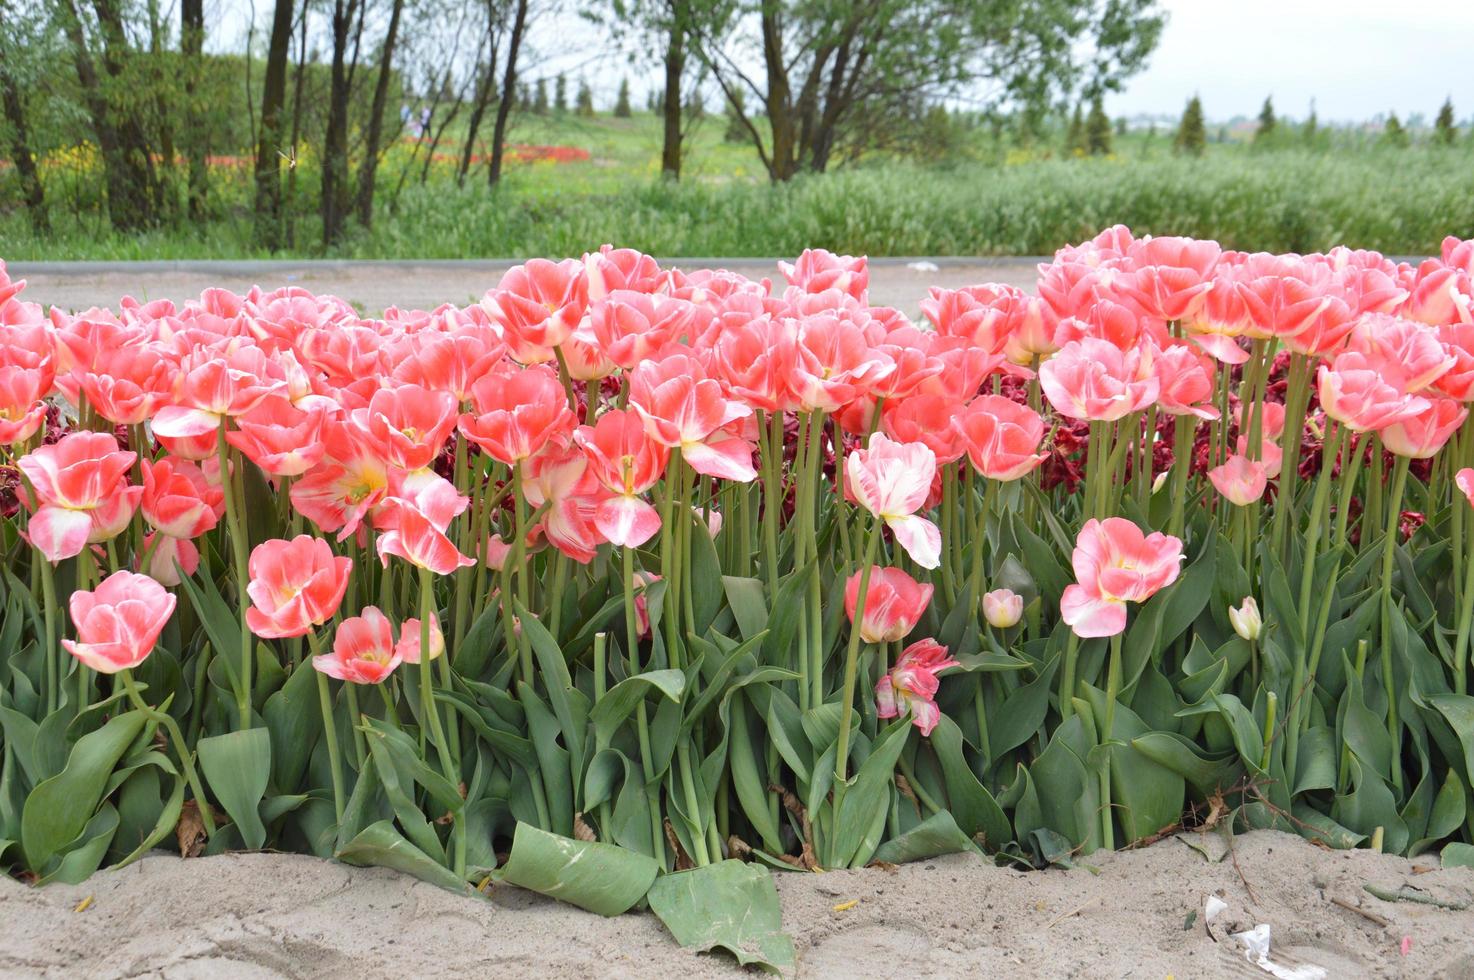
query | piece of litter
[1407, 945]
[1257, 941]
[86, 903]
[922, 266]
[846, 906]
[1213, 908]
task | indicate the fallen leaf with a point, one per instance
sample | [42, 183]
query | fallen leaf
[190, 831]
[846, 906]
[86, 903]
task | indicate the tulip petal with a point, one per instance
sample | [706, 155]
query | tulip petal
[627, 521]
[1090, 614]
[177, 422]
[730, 459]
[920, 537]
[59, 533]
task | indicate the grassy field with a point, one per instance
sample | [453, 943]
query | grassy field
[985, 201]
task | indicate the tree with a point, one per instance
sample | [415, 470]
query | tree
[509, 84]
[1311, 129]
[585, 100]
[622, 103]
[1392, 132]
[1098, 129]
[1191, 133]
[560, 95]
[540, 98]
[374, 139]
[335, 194]
[1267, 122]
[735, 131]
[192, 46]
[12, 61]
[1444, 128]
[837, 77]
[269, 146]
[1075, 133]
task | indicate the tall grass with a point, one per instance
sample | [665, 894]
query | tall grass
[1289, 200]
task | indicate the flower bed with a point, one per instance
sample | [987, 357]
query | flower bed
[627, 583]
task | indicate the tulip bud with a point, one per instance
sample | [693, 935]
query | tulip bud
[1246, 620]
[1003, 608]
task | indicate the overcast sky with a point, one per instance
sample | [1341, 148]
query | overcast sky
[1356, 58]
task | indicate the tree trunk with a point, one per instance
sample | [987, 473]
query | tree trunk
[299, 74]
[269, 143]
[127, 177]
[144, 190]
[509, 85]
[368, 170]
[335, 191]
[20, 149]
[781, 165]
[192, 43]
[675, 66]
[485, 92]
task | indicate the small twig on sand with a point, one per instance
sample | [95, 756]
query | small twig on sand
[1233, 855]
[1065, 915]
[1369, 916]
[1403, 895]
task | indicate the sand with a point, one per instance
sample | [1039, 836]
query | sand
[1132, 914]
[371, 286]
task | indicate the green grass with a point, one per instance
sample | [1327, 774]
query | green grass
[1400, 202]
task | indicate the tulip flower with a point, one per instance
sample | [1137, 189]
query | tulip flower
[911, 686]
[1246, 620]
[363, 650]
[891, 480]
[119, 622]
[684, 409]
[1354, 392]
[216, 384]
[894, 603]
[178, 500]
[629, 327]
[1423, 435]
[517, 415]
[1241, 480]
[1186, 380]
[408, 647]
[279, 437]
[82, 490]
[626, 462]
[1409, 354]
[929, 418]
[1464, 479]
[346, 486]
[818, 270]
[540, 303]
[1115, 564]
[1003, 608]
[1001, 437]
[1172, 275]
[412, 525]
[1096, 380]
[408, 425]
[165, 558]
[295, 585]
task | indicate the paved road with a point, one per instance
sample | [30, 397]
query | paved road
[374, 285]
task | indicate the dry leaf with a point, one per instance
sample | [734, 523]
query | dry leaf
[190, 831]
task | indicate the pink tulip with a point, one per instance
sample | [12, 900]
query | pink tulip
[517, 415]
[631, 327]
[163, 554]
[911, 686]
[408, 647]
[178, 500]
[1115, 564]
[81, 487]
[349, 482]
[412, 524]
[1240, 480]
[295, 585]
[216, 384]
[925, 417]
[1409, 354]
[1186, 379]
[540, 303]
[1423, 435]
[22, 412]
[684, 409]
[818, 270]
[1172, 275]
[894, 603]
[279, 437]
[1093, 379]
[408, 425]
[892, 480]
[363, 650]
[1464, 479]
[626, 462]
[1003, 608]
[1354, 391]
[1001, 437]
[757, 362]
[119, 622]
[560, 480]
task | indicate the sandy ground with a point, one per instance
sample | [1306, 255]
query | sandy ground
[372, 286]
[1133, 914]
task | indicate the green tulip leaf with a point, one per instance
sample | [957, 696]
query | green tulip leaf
[729, 905]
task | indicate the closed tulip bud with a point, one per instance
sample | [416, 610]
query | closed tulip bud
[1246, 620]
[1003, 608]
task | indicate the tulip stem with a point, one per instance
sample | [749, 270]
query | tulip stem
[55, 654]
[1389, 551]
[234, 518]
[360, 748]
[1113, 691]
[432, 713]
[852, 656]
[642, 716]
[175, 736]
[518, 559]
[1067, 677]
[329, 728]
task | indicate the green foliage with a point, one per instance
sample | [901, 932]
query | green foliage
[1393, 133]
[1268, 124]
[1191, 136]
[622, 103]
[1444, 129]
[1097, 130]
[585, 104]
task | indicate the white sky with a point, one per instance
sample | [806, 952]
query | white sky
[1356, 58]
